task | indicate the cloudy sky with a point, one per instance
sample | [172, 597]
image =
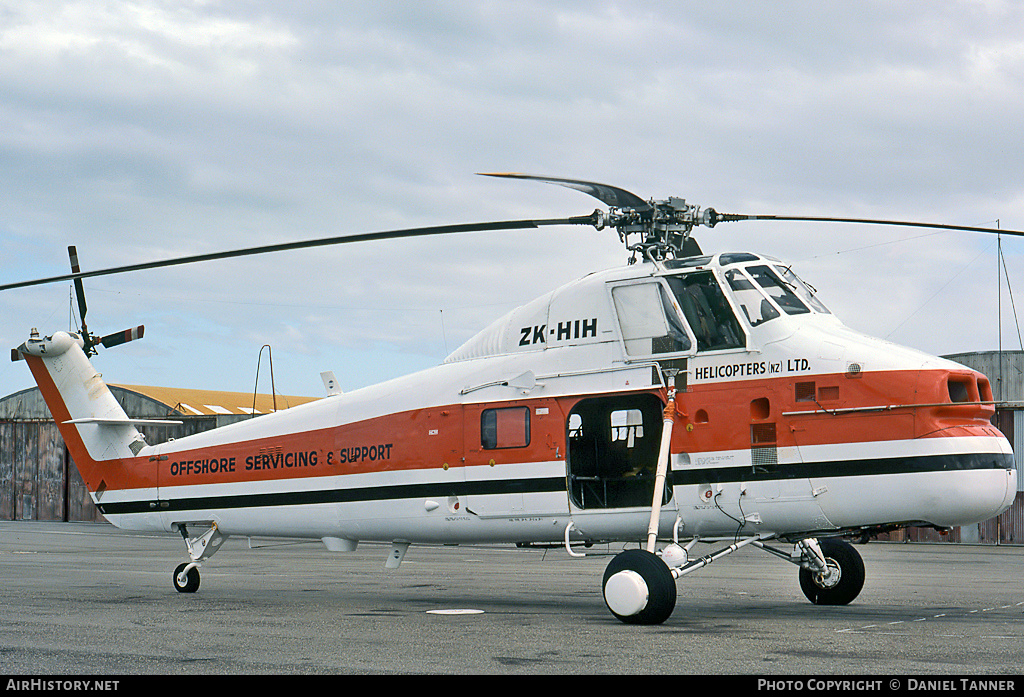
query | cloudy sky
[144, 130]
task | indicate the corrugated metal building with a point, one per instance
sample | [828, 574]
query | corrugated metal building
[38, 480]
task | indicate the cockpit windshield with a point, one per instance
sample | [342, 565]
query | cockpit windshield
[701, 313]
[753, 302]
[778, 290]
[801, 288]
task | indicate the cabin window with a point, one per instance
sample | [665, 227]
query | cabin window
[707, 311]
[505, 428]
[780, 292]
[627, 425]
[753, 302]
[648, 320]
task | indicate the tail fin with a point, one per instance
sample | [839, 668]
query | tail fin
[87, 414]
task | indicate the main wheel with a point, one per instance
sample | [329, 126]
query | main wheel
[639, 588]
[842, 582]
[190, 583]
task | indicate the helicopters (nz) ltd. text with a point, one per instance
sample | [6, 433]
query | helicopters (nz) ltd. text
[751, 369]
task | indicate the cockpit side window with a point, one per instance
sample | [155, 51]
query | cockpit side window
[648, 320]
[708, 312]
[778, 290]
[752, 301]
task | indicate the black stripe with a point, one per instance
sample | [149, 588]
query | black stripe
[372, 493]
[714, 475]
[844, 468]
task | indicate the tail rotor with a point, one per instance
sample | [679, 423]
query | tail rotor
[92, 341]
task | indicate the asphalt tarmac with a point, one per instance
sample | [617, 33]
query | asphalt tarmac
[88, 599]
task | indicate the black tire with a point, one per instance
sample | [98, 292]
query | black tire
[845, 579]
[661, 587]
[191, 584]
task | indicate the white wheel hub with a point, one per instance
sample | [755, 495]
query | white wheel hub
[626, 593]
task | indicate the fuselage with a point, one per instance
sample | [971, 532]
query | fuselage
[786, 422]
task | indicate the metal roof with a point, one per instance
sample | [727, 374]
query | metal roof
[190, 402]
[141, 401]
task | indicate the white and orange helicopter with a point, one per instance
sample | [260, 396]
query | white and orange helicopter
[686, 398]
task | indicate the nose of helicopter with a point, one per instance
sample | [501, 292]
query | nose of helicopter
[978, 479]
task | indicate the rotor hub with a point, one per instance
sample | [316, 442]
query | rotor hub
[664, 227]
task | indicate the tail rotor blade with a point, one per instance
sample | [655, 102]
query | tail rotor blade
[79, 288]
[118, 338]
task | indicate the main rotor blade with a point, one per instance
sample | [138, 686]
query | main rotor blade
[591, 219]
[731, 217]
[608, 195]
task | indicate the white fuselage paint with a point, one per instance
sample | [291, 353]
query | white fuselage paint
[571, 344]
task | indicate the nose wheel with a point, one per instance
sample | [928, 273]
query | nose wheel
[842, 578]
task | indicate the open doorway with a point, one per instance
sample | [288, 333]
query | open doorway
[613, 451]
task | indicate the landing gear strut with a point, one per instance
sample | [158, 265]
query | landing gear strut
[201, 548]
[639, 586]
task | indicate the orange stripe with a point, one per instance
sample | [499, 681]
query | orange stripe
[713, 416]
[419, 439]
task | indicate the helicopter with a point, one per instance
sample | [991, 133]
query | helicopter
[682, 399]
